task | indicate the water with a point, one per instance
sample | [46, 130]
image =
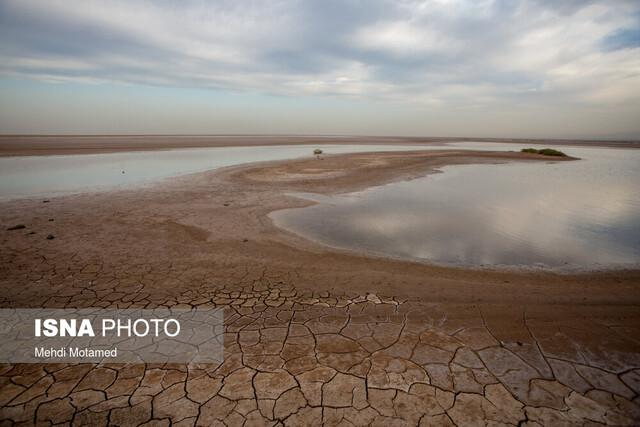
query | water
[48, 176]
[571, 215]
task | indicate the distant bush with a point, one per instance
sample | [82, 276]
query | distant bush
[544, 152]
[551, 152]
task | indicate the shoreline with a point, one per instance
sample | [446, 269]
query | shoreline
[35, 145]
[308, 200]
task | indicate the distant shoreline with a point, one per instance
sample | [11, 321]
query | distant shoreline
[39, 145]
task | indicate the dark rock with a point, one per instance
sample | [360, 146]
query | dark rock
[50, 237]
[45, 201]
[50, 219]
[17, 227]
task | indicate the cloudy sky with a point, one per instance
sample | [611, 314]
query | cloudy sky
[440, 67]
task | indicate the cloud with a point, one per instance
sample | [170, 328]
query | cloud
[403, 38]
[446, 53]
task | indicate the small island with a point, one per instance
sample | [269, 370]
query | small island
[544, 152]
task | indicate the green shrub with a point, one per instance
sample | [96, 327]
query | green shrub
[544, 152]
[551, 152]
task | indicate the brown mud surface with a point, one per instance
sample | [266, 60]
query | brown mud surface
[313, 335]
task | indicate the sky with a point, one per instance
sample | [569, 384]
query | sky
[505, 68]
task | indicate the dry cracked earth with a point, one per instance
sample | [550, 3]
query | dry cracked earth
[307, 359]
[294, 355]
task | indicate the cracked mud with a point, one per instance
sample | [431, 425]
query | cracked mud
[311, 335]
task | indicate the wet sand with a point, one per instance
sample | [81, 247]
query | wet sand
[36, 145]
[313, 334]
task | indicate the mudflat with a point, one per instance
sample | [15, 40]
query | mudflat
[314, 334]
[35, 145]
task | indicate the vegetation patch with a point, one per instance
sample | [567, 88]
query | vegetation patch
[544, 152]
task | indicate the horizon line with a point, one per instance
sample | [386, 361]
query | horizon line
[276, 135]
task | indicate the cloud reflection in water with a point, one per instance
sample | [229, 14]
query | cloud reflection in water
[583, 214]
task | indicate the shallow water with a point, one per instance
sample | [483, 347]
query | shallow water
[576, 215]
[48, 176]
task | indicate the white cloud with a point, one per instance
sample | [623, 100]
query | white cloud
[433, 53]
[403, 38]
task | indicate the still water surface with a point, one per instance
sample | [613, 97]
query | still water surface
[48, 176]
[572, 215]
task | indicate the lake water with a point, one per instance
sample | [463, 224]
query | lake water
[48, 176]
[572, 215]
